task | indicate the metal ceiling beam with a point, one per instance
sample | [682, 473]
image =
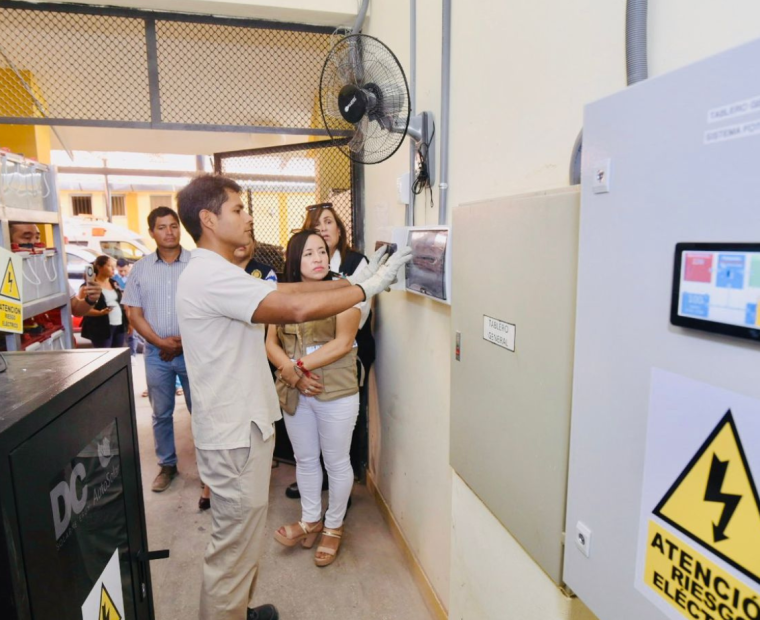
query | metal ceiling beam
[131, 172]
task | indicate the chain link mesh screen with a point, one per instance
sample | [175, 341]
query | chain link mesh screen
[72, 66]
[238, 76]
[116, 67]
[279, 183]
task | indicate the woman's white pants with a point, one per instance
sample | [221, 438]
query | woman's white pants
[325, 427]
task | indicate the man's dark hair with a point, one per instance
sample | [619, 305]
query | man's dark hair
[122, 262]
[207, 192]
[294, 253]
[160, 212]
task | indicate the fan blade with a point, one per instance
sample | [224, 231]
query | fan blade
[360, 135]
[343, 69]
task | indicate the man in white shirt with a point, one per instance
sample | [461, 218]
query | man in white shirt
[222, 314]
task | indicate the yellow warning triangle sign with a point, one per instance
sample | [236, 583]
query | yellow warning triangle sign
[108, 609]
[714, 500]
[10, 284]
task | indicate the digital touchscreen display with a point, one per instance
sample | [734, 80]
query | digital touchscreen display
[426, 272]
[716, 288]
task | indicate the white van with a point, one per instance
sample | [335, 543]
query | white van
[105, 238]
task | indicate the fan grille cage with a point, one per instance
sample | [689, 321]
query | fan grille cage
[362, 61]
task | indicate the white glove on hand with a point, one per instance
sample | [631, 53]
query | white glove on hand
[387, 274]
[378, 259]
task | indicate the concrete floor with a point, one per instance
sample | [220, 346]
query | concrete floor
[370, 580]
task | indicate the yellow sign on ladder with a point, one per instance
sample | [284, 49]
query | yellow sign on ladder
[11, 309]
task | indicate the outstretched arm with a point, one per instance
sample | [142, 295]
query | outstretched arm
[347, 324]
[279, 308]
[312, 287]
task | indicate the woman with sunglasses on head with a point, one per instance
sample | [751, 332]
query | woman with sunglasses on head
[343, 258]
[319, 392]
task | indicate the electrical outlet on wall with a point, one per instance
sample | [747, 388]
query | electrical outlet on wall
[600, 183]
[583, 538]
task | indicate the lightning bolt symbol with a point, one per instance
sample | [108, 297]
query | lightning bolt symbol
[713, 493]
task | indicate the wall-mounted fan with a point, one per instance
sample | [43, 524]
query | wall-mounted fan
[364, 100]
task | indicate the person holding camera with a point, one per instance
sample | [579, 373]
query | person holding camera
[106, 322]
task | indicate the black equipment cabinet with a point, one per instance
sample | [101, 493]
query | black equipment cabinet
[73, 541]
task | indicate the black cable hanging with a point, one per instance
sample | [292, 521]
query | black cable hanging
[422, 179]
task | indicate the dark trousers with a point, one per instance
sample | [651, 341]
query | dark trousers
[115, 339]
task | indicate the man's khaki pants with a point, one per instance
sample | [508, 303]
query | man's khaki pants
[239, 482]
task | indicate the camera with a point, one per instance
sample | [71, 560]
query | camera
[392, 247]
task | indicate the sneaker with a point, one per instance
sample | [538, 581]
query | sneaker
[264, 612]
[164, 478]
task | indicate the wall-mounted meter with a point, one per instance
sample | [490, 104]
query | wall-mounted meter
[716, 288]
[429, 271]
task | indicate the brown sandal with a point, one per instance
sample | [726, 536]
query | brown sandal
[306, 536]
[331, 553]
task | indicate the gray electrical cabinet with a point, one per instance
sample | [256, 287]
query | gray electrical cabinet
[73, 543]
[662, 511]
[513, 317]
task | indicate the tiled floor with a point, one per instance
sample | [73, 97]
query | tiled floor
[370, 580]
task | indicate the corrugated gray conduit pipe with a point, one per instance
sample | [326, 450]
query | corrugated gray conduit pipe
[636, 66]
[409, 217]
[360, 18]
[355, 51]
[443, 183]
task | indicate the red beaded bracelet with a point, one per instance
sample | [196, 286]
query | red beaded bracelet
[303, 369]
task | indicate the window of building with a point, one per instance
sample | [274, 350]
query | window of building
[160, 201]
[81, 205]
[118, 206]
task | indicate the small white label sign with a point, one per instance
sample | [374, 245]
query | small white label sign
[499, 332]
[734, 109]
[732, 132]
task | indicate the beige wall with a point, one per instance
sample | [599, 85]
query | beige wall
[521, 73]
[410, 459]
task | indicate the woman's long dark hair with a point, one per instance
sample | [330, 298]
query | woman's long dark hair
[100, 262]
[294, 252]
[312, 221]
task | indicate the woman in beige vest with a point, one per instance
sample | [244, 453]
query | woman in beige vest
[319, 393]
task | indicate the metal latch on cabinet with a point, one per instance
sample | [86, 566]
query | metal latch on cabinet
[146, 556]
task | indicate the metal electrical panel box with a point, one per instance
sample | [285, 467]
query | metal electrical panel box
[73, 545]
[665, 442]
[513, 317]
